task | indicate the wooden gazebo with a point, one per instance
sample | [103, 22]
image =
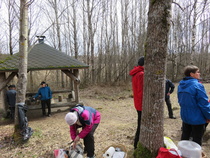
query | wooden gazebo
[41, 57]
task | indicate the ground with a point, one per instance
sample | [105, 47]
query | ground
[118, 125]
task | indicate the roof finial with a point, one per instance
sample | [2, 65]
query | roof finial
[41, 39]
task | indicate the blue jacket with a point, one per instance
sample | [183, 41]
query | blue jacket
[45, 93]
[195, 108]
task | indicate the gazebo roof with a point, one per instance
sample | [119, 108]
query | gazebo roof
[42, 57]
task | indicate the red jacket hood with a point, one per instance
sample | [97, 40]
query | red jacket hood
[136, 69]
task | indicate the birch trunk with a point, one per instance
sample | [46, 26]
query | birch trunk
[23, 61]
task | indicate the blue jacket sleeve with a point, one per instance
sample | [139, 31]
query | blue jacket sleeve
[37, 94]
[203, 102]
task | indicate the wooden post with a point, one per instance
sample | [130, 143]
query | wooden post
[76, 85]
[76, 81]
[3, 104]
[59, 98]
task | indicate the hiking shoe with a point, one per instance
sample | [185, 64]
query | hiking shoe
[172, 117]
[92, 156]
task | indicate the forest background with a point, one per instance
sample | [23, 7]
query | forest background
[109, 36]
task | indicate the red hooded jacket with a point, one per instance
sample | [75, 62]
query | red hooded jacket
[137, 74]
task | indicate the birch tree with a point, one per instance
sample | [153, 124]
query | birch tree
[151, 132]
[23, 61]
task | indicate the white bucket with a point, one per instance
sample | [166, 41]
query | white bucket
[189, 149]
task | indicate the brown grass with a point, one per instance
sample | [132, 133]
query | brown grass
[117, 126]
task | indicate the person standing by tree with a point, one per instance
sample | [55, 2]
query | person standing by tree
[195, 107]
[169, 89]
[11, 99]
[46, 96]
[137, 74]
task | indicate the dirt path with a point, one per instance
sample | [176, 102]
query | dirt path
[117, 126]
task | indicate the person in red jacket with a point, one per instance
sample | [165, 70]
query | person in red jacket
[137, 74]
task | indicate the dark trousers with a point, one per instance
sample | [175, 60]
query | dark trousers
[136, 139]
[168, 103]
[12, 110]
[194, 131]
[44, 103]
[89, 142]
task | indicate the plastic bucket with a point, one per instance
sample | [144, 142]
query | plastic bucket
[190, 149]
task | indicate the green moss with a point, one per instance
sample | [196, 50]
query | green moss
[5, 59]
[159, 72]
[17, 136]
[143, 152]
[37, 133]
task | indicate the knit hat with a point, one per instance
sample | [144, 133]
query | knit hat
[71, 118]
[11, 86]
[42, 83]
[141, 61]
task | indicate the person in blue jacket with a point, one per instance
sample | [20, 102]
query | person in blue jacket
[195, 108]
[46, 95]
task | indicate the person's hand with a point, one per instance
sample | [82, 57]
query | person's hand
[75, 141]
[168, 93]
[74, 145]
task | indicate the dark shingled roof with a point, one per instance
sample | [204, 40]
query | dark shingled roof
[42, 57]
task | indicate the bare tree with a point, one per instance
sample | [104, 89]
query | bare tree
[193, 32]
[12, 23]
[91, 37]
[151, 133]
[23, 61]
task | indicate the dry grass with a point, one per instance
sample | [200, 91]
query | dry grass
[117, 126]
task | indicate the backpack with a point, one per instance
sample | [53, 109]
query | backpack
[26, 131]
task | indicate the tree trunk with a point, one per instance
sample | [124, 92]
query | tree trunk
[23, 62]
[193, 32]
[151, 137]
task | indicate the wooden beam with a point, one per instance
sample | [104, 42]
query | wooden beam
[55, 105]
[71, 75]
[53, 92]
[4, 83]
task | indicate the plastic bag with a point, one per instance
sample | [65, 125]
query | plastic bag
[60, 153]
[77, 152]
[169, 143]
[168, 153]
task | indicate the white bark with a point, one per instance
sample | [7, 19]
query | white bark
[23, 56]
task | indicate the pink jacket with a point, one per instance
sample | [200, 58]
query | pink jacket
[88, 116]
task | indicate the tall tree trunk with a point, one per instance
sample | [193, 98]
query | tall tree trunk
[151, 133]
[23, 61]
[75, 30]
[85, 44]
[91, 39]
[193, 32]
